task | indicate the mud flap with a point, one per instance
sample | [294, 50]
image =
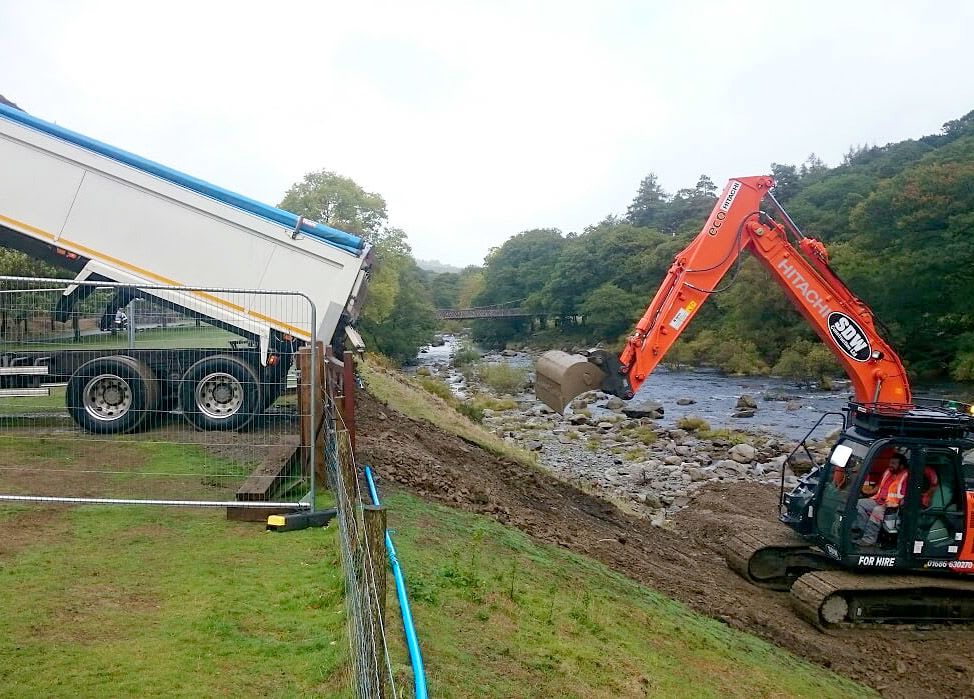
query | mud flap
[560, 377]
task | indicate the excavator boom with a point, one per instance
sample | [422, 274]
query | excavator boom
[843, 322]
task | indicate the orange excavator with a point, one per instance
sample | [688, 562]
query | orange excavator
[924, 546]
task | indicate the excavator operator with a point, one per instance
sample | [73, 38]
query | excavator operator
[888, 495]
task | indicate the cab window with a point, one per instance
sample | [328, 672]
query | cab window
[844, 465]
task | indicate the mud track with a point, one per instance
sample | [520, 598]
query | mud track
[683, 561]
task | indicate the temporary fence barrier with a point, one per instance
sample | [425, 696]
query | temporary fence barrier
[119, 394]
[171, 395]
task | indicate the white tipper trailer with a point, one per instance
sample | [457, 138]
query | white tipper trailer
[109, 215]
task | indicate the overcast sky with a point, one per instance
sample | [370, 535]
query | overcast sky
[478, 120]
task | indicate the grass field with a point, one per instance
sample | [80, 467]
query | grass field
[127, 601]
[501, 616]
[162, 602]
[157, 338]
[151, 602]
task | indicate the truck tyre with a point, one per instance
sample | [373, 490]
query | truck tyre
[220, 393]
[272, 392]
[111, 395]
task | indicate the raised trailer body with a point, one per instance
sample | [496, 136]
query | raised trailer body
[136, 227]
[109, 215]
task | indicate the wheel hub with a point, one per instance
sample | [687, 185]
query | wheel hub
[107, 397]
[219, 395]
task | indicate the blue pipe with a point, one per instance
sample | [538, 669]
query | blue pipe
[415, 655]
[332, 236]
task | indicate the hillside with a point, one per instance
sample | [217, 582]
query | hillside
[684, 561]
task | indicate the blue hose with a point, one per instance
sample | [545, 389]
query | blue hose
[415, 655]
[332, 236]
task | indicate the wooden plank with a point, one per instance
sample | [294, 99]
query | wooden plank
[374, 569]
[303, 360]
[256, 514]
[321, 406]
[281, 463]
[348, 395]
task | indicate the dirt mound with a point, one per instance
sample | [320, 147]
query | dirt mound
[683, 561]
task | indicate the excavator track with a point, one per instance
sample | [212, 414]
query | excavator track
[832, 598]
[773, 559]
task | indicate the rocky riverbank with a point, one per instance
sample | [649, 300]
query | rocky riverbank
[651, 469]
[635, 453]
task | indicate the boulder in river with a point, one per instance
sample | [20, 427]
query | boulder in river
[651, 408]
[746, 401]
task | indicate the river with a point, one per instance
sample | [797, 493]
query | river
[783, 407]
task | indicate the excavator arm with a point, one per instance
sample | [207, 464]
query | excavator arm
[843, 322]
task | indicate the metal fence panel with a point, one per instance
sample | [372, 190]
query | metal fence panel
[119, 393]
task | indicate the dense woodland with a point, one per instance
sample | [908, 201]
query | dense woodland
[898, 221]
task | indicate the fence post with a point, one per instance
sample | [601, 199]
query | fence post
[374, 569]
[304, 407]
[347, 492]
[321, 437]
[348, 394]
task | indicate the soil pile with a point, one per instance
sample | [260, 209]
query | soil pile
[683, 561]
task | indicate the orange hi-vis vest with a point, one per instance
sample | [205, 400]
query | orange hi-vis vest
[892, 488]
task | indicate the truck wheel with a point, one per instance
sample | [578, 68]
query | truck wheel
[111, 395]
[220, 393]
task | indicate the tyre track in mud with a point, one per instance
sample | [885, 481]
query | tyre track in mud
[683, 560]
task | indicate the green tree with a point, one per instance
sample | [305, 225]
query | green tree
[689, 208]
[786, 181]
[807, 362]
[398, 316]
[445, 289]
[17, 308]
[471, 285]
[610, 311]
[648, 208]
[339, 202]
[514, 274]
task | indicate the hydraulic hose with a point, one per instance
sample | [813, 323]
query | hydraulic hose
[415, 655]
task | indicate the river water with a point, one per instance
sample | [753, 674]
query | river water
[783, 407]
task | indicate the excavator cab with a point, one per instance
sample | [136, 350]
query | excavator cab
[927, 530]
[927, 526]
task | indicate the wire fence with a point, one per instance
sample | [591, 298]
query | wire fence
[363, 559]
[144, 394]
[121, 394]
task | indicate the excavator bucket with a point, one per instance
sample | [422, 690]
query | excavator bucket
[561, 376]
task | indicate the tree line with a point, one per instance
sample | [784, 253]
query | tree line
[897, 219]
